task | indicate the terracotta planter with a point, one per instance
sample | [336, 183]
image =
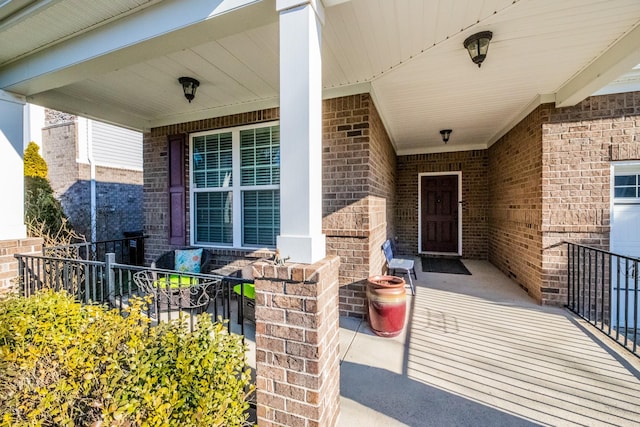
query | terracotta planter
[387, 305]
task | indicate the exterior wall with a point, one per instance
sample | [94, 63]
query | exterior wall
[118, 191]
[515, 217]
[550, 182]
[297, 343]
[156, 173]
[475, 195]
[580, 142]
[358, 188]
[9, 265]
[359, 166]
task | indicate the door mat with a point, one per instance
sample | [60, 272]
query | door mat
[443, 265]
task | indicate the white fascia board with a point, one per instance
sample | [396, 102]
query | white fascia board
[257, 105]
[222, 111]
[444, 148]
[12, 97]
[614, 62]
[157, 30]
[91, 110]
[318, 7]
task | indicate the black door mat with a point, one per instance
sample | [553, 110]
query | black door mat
[443, 265]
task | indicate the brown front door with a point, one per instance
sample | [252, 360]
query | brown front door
[439, 213]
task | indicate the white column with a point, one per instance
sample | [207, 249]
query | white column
[301, 236]
[12, 111]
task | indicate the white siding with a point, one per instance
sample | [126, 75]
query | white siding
[116, 147]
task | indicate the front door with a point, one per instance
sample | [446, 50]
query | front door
[439, 213]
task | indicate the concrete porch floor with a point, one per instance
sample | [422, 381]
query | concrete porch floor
[477, 351]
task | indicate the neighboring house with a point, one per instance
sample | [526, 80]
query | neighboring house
[95, 170]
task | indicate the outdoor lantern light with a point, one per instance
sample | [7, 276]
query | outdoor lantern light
[445, 135]
[189, 86]
[478, 45]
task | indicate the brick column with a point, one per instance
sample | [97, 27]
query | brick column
[297, 355]
[9, 264]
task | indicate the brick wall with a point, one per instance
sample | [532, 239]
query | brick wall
[358, 187]
[156, 172]
[297, 344]
[515, 189]
[550, 182]
[475, 196]
[9, 265]
[580, 142]
[359, 166]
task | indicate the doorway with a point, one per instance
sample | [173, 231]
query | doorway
[439, 230]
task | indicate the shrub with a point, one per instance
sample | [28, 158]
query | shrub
[67, 364]
[34, 164]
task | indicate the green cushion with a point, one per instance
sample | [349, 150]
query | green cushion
[249, 290]
[176, 281]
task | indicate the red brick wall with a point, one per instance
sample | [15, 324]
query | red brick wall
[297, 344]
[473, 165]
[9, 264]
[515, 195]
[359, 166]
[156, 164]
[550, 182]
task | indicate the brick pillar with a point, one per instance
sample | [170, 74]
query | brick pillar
[297, 339]
[9, 264]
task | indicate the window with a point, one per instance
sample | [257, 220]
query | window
[235, 187]
[626, 186]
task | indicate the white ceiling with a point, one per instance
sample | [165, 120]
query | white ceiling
[407, 53]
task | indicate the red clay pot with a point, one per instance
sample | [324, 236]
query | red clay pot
[387, 304]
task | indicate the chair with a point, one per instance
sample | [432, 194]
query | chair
[167, 260]
[403, 264]
[175, 292]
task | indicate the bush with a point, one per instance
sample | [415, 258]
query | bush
[34, 164]
[67, 364]
[42, 211]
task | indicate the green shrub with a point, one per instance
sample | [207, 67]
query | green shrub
[67, 364]
[43, 212]
[34, 164]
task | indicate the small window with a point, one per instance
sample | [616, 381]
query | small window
[626, 186]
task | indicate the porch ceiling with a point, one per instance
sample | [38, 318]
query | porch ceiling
[119, 60]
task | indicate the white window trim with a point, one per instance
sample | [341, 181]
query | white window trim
[236, 189]
[620, 169]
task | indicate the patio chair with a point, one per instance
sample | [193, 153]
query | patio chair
[175, 292]
[166, 261]
[403, 264]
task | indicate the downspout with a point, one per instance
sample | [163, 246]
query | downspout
[92, 175]
[85, 135]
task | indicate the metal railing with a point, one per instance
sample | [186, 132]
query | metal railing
[111, 283]
[603, 289]
[128, 250]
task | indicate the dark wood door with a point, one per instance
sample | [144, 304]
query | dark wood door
[439, 213]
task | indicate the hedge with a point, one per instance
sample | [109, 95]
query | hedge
[67, 364]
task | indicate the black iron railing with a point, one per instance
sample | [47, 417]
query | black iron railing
[603, 290]
[112, 283]
[128, 250]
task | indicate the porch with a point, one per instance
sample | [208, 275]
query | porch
[476, 350]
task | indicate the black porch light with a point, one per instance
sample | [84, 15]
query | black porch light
[478, 45]
[189, 86]
[445, 135]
